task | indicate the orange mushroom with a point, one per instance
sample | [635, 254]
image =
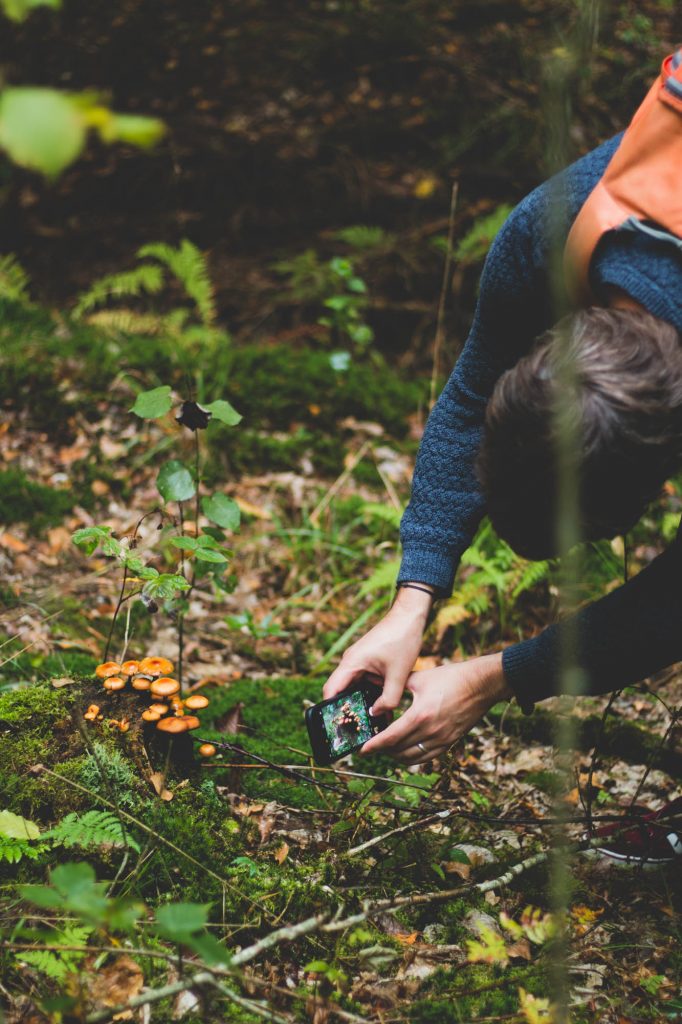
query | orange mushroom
[123, 723]
[156, 666]
[114, 683]
[207, 750]
[106, 669]
[196, 701]
[172, 725]
[150, 715]
[191, 721]
[160, 709]
[92, 712]
[164, 687]
[141, 682]
[129, 668]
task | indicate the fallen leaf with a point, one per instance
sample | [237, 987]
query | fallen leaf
[231, 721]
[12, 543]
[158, 781]
[252, 510]
[117, 983]
[281, 853]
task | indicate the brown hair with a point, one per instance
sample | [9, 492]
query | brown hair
[627, 373]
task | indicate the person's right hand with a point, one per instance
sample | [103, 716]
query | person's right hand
[388, 652]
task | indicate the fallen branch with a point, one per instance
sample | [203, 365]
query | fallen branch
[410, 827]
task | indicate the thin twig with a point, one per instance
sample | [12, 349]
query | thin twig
[314, 516]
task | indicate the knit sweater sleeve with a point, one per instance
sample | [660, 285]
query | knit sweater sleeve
[513, 308]
[626, 636]
[446, 504]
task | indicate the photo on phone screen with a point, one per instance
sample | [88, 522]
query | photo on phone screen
[342, 724]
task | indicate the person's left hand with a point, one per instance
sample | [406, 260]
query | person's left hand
[446, 703]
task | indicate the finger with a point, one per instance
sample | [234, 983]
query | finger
[397, 734]
[390, 695]
[341, 678]
[415, 755]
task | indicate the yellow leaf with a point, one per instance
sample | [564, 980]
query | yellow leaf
[425, 186]
[281, 853]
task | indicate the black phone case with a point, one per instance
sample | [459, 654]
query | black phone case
[316, 731]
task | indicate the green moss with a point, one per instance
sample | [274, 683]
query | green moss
[22, 501]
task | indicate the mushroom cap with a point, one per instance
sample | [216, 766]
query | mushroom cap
[123, 724]
[164, 687]
[114, 683]
[92, 712]
[172, 725]
[150, 715]
[160, 709]
[196, 701]
[156, 666]
[141, 683]
[129, 668]
[106, 669]
[207, 750]
[191, 721]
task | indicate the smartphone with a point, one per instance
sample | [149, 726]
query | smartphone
[342, 724]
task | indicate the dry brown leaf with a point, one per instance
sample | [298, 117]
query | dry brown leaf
[406, 939]
[426, 662]
[158, 781]
[520, 950]
[455, 867]
[281, 853]
[99, 488]
[230, 722]
[252, 510]
[116, 983]
[12, 543]
[58, 539]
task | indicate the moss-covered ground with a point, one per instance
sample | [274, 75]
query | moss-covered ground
[258, 835]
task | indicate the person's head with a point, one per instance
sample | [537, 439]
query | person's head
[626, 404]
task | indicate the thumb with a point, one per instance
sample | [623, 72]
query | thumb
[390, 695]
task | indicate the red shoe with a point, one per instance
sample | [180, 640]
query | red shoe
[644, 838]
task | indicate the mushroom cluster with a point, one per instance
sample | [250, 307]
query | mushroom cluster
[152, 675]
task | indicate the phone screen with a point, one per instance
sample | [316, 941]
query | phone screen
[347, 724]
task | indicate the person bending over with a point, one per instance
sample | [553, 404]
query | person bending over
[489, 443]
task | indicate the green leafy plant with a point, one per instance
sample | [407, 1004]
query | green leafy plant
[14, 281]
[335, 285]
[21, 838]
[177, 485]
[193, 326]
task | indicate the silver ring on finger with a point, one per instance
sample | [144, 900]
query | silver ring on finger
[422, 747]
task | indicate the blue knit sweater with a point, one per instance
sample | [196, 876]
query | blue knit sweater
[635, 630]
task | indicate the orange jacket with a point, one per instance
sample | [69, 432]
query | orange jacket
[641, 188]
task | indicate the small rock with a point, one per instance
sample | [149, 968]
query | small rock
[435, 933]
[478, 855]
[477, 920]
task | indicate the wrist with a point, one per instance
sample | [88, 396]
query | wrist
[493, 682]
[413, 601]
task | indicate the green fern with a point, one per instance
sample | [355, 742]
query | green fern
[58, 963]
[388, 513]
[528, 575]
[92, 829]
[383, 578]
[147, 278]
[362, 236]
[127, 321]
[13, 850]
[14, 281]
[188, 264]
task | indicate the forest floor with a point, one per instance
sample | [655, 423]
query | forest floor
[416, 859]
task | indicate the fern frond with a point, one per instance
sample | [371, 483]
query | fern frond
[362, 236]
[528, 576]
[126, 321]
[12, 850]
[388, 513]
[130, 283]
[383, 578]
[14, 280]
[188, 264]
[58, 963]
[92, 829]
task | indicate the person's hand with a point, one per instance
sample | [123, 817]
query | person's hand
[446, 703]
[388, 652]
